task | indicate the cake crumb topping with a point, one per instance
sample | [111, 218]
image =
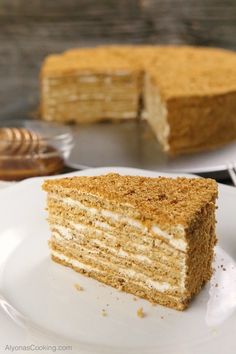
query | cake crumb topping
[163, 200]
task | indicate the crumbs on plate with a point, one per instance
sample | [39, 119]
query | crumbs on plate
[140, 312]
[79, 287]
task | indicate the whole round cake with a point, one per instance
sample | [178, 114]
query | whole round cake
[187, 94]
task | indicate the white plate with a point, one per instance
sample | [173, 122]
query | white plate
[39, 294]
[132, 144]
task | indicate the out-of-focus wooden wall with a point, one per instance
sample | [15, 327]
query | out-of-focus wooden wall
[29, 30]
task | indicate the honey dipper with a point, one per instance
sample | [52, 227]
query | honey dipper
[24, 153]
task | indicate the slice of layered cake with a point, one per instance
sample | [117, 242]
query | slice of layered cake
[152, 237]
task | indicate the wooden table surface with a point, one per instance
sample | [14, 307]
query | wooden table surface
[29, 30]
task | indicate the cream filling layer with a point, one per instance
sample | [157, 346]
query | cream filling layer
[75, 262]
[114, 251]
[133, 275]
[117, 252]
[177, 243]
[68, 234]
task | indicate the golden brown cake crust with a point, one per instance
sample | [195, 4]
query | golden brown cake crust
[88, 61]
[184, 71]
[164, 200]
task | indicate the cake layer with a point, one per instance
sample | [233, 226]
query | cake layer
[85, 94]
[153, 295]
[91, 85]
[118, 254]
[66, 112]
[96, 255]
[124, 271]
[107, 220]
[155, 250]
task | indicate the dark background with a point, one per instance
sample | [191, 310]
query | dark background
[29, 30]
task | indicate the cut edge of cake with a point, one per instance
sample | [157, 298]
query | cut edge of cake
[88, 85]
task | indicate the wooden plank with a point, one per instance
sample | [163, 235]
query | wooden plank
[30, 30]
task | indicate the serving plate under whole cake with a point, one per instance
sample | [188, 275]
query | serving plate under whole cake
[133, 144]
[41, 298]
